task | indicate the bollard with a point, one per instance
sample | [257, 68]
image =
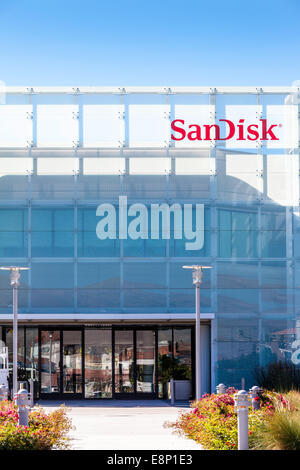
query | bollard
[172, 391]
[221, 388]
[22, 401]
[241, 402]
[3, 392]
[31, 390]
[255, 398]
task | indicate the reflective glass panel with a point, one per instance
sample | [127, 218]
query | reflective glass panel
[72, 362]
[165, 361]
[124, 362]
[9, 345]
[98, 364]
[50, 361]
[145, 361]
[182, 354]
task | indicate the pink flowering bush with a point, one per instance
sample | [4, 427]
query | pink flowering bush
[44, 431]
[212, 421]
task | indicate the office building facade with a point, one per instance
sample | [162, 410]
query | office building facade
[105, 193]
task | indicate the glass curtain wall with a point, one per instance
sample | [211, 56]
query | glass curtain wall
[251, 221]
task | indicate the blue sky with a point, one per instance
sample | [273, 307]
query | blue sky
[195, 42]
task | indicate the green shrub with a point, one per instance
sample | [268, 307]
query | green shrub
[213, 422]
[279, 376]
[44, 431]
[279, 432]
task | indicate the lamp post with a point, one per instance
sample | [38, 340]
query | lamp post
[15, 282]
[197, 279]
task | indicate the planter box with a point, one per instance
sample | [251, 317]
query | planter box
[182, 389]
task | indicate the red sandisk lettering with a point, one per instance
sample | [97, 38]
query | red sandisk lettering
[207, 132]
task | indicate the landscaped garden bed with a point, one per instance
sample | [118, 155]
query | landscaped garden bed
[45, 431]
[212, 422]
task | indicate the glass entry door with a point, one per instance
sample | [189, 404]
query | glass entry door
[61, 363]
[134, 363]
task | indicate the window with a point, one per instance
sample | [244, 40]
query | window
[98, 285]
[52, 286]
[237, 234]
[13, 233]
[89, 245]
[52, 232]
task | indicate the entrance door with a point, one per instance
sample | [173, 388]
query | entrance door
[61, 364]
[135, 364]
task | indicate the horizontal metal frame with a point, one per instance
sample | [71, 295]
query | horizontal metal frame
[106, 316]
[149, 90]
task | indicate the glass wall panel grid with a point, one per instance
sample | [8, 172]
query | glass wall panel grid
[103, 126]
[144, 285]
[6, 294]
[98, 285]
[57, 125]
[273, 231]
[16, 125]
[182, 293]
[98, 187]
[281, 179]
[239, 177]
[52, 286]
[52, 231]
[278, 332]
[14, 188]
[238, 232]
[53, 187]
[89, 245]
[15, 166]
[13, 232]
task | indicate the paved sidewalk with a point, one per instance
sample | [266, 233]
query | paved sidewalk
[124, 425]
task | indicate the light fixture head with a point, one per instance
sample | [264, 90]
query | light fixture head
[197, 272]
[14, 273]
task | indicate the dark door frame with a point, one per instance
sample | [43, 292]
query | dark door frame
[61, 395]
[114, 327]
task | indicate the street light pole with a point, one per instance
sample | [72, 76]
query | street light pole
[197, 280]
[15, 282]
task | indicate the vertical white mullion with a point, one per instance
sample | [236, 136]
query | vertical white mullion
[122, 176]
[289, 259]
[75, 199]
[75, 234]
[261, 173]
[29, 216]
[213, 214]
[167, 196]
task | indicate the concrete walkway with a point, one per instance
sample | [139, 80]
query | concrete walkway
[124, 425]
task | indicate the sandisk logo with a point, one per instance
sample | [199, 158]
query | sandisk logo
[240, 131]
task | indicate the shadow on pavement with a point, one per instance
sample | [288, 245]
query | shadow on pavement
[107, 403]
